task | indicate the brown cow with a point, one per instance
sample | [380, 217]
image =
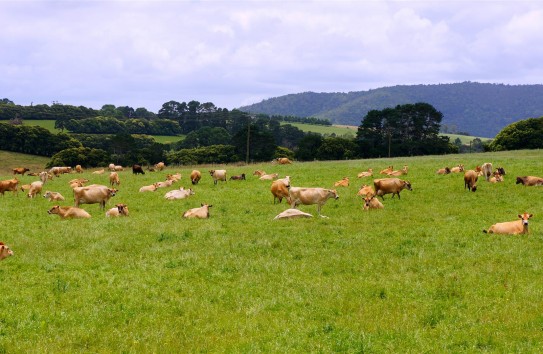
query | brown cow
[398, 173]
[195, 176]
[259, 173]
[118, 210]
[238, 177]
[443, 171]
[511, 227]
[9, 185]
[470, 180]
[365, 190]
[114, 179]
[457, 169]
[342, 183]
[269, 177]
[371, 202]
[5, 251]
[20, 171]
[390, 185]
[283, 161]
[530, 181]
[68, 212]
[78, 169]
[387, 170]
[53, 196]
[308, 196]
[280, 190]
[198, 213]
[137, 169]
[160, 166]
[93, 194]
[367, 173]
[99, 172]
[150, 188]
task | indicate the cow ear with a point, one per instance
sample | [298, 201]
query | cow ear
[530, 215]
[201, 204]
[210, 205]
[520, 216]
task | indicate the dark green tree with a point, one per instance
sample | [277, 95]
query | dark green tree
[524, 134]
[308, 146]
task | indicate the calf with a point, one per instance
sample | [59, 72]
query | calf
[371, 202]
[511, 227]
[114, 179]
[496, 178]
[53, 196]
[218, 175]
[308, 196]
[69, 212]
[118, 210]
[198, 213]
[487, 170]
[342, 183]
[20, 171]
[259, 173]
[470, 180]
[5, 251]
[291, 214]
[367, 173]
[195, 177]
[397, 173]
[35, 189]
[390, 185]
[530, 181]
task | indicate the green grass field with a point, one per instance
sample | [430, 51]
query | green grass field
[325, 129]
[418, 276]
[465, 139]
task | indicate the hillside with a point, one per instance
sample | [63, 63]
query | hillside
[477, 108]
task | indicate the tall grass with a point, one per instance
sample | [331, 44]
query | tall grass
[418, 276]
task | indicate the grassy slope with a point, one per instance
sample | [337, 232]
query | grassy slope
[418, 276]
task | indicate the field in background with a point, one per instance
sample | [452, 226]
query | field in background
[418, 276]
[465, 139]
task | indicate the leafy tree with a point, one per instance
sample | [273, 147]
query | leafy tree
[308, 147]
[86, 157]
[261, 144]
[336, 148]
[282, 151]
[207, 154]
[205, 136]
[524, 134]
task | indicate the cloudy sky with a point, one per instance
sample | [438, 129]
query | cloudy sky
[233, 53]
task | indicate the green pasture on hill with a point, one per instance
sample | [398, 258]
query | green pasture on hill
[418, 276]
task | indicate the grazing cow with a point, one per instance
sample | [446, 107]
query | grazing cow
[292, 214]
[198, 213]
[443, 171]
[372, 202]
[457, 169]
[218, 175]
[20, 171]
[387, 170]
[5, 251]
[35, 189]
[259, 173]
[342, 183]
[99, 172]
[119, 168]
[367, 173]
[118, 210]
[44, 176]
[53, 196]
[530, 181]
[137, 169]
[398, 173]
[150, 188]
[365, 190]
[78, 169]
[93, 194]
[180, 193]
[114, 179]
[280, 190]
[160, 166]
[238, 177]
[308, 196]
[511, 227]
[9, 185]
[283, 161]
[195, 176]
[487, 170]
[269, 177]
[390, 185]
[470, 180]
[111, 167]
[69, 212]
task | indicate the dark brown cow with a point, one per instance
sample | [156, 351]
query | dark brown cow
[137, 169]
[530, 181]
[20, 171]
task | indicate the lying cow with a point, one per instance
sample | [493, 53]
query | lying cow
[390, 185]
[69, 212]
[443, 171]
[387, 170]
[53, 196]
[99, 172]
[180, 193]
[195, 177]
[283, 161]
[511, 227]
[118, 210]
[530, 181]
[457, 169]
[398, 173]
[93, 194]
[198, 213]
[269, 177]
[218, 175]
[367, 173]
[308, 196]
[150, 188]
[365, 190]
[342, 183]
[292, 214]
[238, 177]
[470, 180]
[5, 251]
[371, 202]
[259, 173]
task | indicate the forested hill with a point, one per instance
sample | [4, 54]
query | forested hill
[476, 108]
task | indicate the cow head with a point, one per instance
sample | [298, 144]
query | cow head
[54, 210]
[524, 217]
[333, 193]
[211, 172]
[112, 191]
[123, 209]
[520, 180]
[407, 185]
[5, 251]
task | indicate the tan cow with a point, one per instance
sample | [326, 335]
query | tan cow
[9, 185]
[283, 161]
[118, 210]
[371, 202]
[114, 179]
[69, 212]
[390, 185]
[365, 190]
[53, 196]
[218, 175]
[443, 171]
[45, 176]
[280, 190]
[530, 181]
[398, 173]
[487, 170]
[387, 170]
[78, 169]
[367, 173]
[99, 172]
[20, 170]
[195, 177]
[269, 177]
[159, 166]
[470, 180]
[150, 188]
[292, 214]
[308, 196]
[180, 193]
[93, 194]
[35, 189]
[342, 183]
[175, 177]
[5, 251]
[164, 184]
[198, 213]
[259, 173]
[457, 169]
[111, 167]
[59, 170]
[511, 227]
[497, 178]
[25, 187]
[119, 168]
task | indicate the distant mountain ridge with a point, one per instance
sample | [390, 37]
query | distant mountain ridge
[480, 109]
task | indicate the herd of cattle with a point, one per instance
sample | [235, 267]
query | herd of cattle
[280, 189]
